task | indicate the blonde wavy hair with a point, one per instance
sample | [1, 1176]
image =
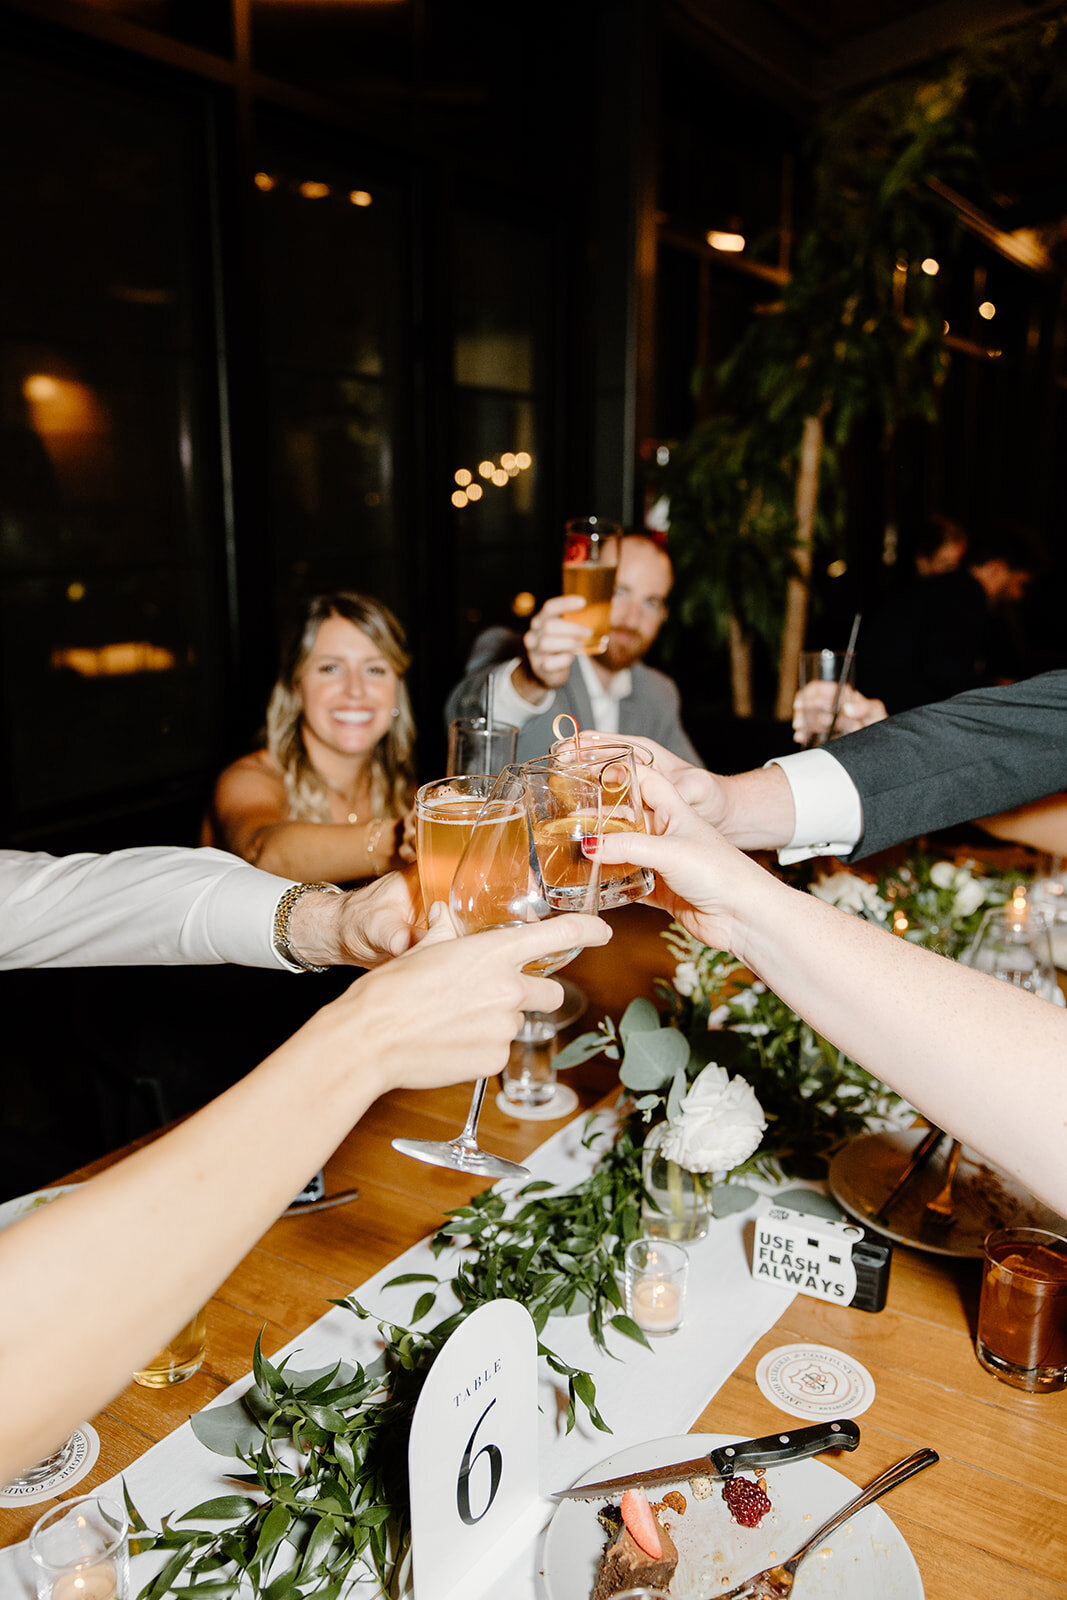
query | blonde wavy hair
[392, 764]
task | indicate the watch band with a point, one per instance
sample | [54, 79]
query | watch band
[283, 912]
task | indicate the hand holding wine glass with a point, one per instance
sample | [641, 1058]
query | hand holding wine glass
[524, 863]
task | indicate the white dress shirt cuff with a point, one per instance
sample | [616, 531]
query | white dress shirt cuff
[508, 703]
[828, 808]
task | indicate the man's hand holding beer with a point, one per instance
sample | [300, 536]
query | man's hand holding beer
[551, 643]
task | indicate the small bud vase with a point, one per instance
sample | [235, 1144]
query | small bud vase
[682, 1198]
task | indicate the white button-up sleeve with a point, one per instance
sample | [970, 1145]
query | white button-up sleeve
[508, 703]
[829, 811]
[146, 907]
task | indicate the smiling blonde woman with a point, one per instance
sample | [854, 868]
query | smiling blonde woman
[327, 796]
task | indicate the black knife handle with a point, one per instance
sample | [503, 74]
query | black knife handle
[778, 1448]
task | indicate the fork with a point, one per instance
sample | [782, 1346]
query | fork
[775, 1583]
[939, 1210]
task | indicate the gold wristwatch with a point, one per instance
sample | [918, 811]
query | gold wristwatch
[283, 911]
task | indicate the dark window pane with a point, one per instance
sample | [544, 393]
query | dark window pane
[204, 23]
[502, 335]
[105, 685]
[332, 302]
[331, 487]
[109, 579]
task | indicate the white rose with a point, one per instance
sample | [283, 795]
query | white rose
[969, 896]
[850, 893]
[945, 875]
[719, 1125]
[687, 978]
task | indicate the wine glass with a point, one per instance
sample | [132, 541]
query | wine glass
[524, 862]
[1013, 943]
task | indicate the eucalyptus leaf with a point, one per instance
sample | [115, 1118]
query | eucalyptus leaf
[652, 1058]
[228, 1430]
[727, 1198]
[583, 1048]
[678, 1091]
[640, 1016]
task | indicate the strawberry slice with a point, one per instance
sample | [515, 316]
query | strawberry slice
[641, 1523]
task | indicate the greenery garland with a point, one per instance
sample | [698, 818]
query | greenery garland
[337, 1498]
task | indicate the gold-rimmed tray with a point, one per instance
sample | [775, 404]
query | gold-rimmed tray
[984, 1195]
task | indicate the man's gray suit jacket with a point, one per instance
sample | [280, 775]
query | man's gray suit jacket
[978, 753]
[652, 708]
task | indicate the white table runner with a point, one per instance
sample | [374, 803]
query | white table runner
[641, 1395]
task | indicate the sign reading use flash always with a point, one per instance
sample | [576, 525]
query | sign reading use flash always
[835, 1261]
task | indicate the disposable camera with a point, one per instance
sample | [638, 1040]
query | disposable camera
[836, 1261]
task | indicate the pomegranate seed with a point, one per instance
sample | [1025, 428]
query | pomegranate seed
[747, 1501]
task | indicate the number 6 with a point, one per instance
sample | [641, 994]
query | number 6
[463, 1504]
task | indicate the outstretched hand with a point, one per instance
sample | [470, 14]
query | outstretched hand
[377, 922]
[701, 879]
[448, 1009]
[705, 791]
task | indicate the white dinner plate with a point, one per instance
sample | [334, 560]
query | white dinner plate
[866, 1557]
[14, 1210]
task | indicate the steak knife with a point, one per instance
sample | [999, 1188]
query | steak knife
[774, 1451]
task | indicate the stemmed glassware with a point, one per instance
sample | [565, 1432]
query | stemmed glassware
[1013, 943]
[524, 863]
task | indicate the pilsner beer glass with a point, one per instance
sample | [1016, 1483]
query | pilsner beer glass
[445, 813]
[590, 561]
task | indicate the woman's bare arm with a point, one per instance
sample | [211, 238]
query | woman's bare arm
[250, 819]
[190, 1205]
[978, 1057]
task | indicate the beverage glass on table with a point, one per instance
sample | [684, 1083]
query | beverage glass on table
[476, 745]
[445, 813]
[80, 1550]
[524, 863]
[1022, 1319]
[590, 561]
[529, 1079]
[1014, 943]
[656, 1272]
[178, 1359]
[823, 667]
[612, 763]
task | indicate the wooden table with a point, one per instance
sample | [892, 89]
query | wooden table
[990, 1520]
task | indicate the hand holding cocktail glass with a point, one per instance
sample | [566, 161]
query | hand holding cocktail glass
[524, 862]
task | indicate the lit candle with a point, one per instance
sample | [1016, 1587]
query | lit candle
[657, 1304]
[99, 1582]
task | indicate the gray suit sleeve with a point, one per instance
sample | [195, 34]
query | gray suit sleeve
[971, 756]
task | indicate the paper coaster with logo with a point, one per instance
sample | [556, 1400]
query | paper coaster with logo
[812, 1381]
[85, 1447]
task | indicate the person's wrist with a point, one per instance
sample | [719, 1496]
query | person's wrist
[526, 683]
[307, 926]
[757, 809]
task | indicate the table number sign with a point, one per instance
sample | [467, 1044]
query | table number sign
[472, 1455]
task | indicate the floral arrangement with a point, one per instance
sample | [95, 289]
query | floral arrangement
[740, 1082]
[931, 902]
